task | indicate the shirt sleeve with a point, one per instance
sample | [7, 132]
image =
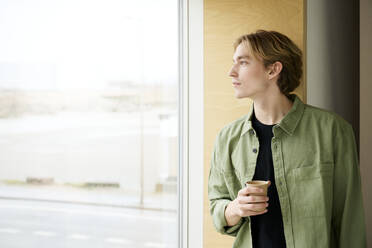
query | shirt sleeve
[348, 212]
[219, 197]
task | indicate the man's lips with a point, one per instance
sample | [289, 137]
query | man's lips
[236, 83]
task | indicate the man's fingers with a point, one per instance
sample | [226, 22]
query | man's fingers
[252, 199]
[245, 213]
[249, 203]
[252, 213]
[248, 190]
[254, 207]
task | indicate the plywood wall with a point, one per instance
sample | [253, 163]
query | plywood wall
[224, 21]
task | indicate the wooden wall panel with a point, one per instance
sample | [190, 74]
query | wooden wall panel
[224, 21]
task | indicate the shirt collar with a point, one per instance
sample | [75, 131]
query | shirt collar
[289, 121]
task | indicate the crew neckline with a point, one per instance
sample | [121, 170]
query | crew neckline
[260, 123]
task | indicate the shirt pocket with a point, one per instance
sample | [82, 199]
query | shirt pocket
[313, 190]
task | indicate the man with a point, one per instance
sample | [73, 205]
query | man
[308, 155]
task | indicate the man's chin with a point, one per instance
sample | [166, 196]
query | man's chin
[240, 96]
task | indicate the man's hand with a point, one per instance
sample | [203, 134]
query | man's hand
[246, 205]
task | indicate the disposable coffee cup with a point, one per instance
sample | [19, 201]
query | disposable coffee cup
[259, 184]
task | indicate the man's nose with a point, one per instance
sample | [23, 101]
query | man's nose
[232, 72]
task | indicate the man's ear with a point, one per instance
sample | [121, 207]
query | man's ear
[275, 69]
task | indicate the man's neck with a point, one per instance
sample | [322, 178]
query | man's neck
[270, 110]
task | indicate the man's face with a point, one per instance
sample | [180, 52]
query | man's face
[249, 77]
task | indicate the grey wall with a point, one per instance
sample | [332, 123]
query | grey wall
[366, 109]
[333, 57]
[338, 73]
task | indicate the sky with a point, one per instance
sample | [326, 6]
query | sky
[86, 44]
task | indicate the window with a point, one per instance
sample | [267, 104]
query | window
[89, 123]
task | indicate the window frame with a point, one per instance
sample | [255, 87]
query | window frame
[191, 124]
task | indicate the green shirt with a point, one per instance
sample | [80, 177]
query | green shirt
[316, 173]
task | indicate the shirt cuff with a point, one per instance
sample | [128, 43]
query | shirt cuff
[220, 221]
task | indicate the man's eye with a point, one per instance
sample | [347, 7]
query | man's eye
[243, 62]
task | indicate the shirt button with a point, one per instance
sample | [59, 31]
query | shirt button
[254, 150]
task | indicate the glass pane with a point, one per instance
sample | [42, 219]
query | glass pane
[88, 123]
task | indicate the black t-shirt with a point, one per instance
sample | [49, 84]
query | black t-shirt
[267, 229]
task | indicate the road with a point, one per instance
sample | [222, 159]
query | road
[34, 224]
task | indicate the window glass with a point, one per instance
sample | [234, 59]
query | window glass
[89, 123]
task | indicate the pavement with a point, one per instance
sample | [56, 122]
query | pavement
[26, 223]
[114, 197]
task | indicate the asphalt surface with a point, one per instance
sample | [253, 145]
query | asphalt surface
[34, 224]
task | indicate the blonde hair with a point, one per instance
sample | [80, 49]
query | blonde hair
[272, 46]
